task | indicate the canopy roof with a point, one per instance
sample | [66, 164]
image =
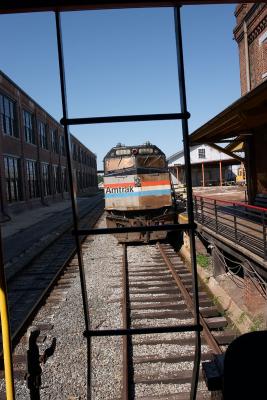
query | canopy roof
[236, 121]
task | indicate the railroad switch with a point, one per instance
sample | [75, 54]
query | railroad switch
[34, 359]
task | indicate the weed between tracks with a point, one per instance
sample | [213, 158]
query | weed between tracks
[203, 261]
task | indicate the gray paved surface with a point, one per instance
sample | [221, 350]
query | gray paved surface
[35, 227]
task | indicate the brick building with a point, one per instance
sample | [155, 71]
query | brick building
[251, 36]
[245, 121]
[33, 163]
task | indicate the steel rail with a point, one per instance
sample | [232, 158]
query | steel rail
[126, 325]
[93, 207]
[206, 331]
[21, 329]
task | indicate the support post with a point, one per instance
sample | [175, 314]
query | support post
[203, 175]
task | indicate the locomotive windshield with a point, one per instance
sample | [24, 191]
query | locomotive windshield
[135, 158]
[119, 163]
[150, 162]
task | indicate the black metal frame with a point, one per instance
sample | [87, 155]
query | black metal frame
[184, 115]
[57, 6]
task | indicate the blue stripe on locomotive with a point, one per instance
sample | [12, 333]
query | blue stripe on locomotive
[140, 194]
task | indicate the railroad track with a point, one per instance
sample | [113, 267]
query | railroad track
[158, 293]
[45, 279]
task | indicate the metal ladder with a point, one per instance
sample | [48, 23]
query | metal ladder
[190, 226]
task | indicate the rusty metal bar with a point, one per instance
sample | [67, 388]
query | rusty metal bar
[126, 325]
[206, 332]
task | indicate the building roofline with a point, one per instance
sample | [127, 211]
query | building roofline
[40, 107]
[181, 151]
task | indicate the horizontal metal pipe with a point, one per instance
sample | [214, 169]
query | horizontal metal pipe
[108, 231]
[23, 6]
[124, 118]
[143, 331]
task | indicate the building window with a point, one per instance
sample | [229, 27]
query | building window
[13, 179]
[54, 141]
[62, 145]
[46, 179]
[32, 179]
[201, 153]
[56, 179]
[28, 127]
[42, 135]
[7, 111]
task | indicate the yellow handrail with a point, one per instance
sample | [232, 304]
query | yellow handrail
[6, 338]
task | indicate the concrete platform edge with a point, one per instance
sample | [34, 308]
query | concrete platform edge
[234, 313]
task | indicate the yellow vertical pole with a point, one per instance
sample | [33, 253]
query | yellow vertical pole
[6, 338]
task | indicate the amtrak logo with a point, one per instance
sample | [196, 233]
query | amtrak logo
[120, 190]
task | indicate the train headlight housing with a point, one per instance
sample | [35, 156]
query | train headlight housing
[146, 150]
[123, 152]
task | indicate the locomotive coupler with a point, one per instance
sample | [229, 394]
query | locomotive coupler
[34, 359]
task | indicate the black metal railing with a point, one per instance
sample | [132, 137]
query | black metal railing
[243, 224]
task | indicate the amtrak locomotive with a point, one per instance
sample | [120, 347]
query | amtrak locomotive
[138, 191]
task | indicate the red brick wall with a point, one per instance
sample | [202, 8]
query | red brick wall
[18, 147]
[255, 17]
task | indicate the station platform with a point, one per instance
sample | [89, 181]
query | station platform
[23, 220]
[26, 233]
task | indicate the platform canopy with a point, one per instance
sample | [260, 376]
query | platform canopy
[13, 6]
[237, 121]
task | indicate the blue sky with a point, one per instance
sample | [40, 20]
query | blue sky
[124, 62]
